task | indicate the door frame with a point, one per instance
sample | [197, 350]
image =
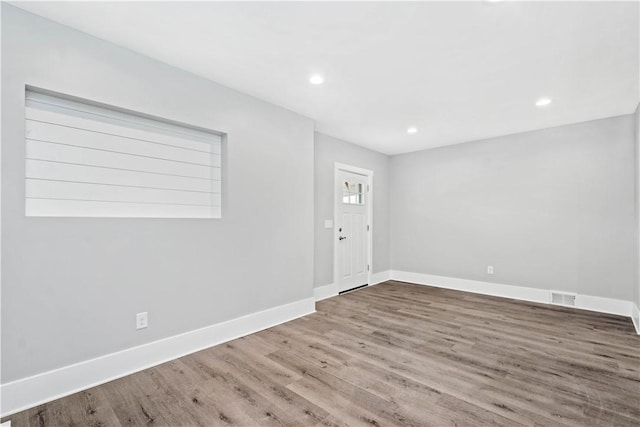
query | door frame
[337, 167]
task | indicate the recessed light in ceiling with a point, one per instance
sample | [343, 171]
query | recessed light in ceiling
[412, 129]
[316, 79]
[542, 102]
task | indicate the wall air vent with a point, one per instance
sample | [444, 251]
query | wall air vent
[563, 298]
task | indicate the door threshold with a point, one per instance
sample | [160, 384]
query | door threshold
[353, 289]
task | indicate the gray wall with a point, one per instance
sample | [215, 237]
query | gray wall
[637, 198]
[550, 209]
[71, 286]
[328, 151]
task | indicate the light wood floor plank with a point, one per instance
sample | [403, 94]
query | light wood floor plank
[393, 354]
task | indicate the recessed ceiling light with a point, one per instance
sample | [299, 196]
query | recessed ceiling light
[543, 102]
[412, 129]
[316, 79]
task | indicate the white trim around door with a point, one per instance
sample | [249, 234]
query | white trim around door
[341, 167]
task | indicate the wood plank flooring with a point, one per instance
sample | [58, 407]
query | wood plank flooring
[393, 354]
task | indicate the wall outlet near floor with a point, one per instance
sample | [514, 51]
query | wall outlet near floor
[142, 320]
[489, 269]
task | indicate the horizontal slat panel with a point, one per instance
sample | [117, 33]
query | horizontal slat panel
[83, 159]
[85, 138]
[99, 175]
[71, 208]
[112, 193]
[112, 114]
[47, 116]
[76, 155]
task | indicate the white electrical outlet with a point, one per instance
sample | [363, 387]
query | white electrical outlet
[490, 269]
[142, 320]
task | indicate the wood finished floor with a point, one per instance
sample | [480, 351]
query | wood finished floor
[393, 354]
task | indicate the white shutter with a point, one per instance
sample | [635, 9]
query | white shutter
[88, 161]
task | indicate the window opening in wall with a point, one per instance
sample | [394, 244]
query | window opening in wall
[85, 160]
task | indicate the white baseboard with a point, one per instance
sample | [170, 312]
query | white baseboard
[32, 391]
[377, 278]
[604, 305]
[636, 318]
[485, 288]
[326, 291]
[585, 302]
[331, 290]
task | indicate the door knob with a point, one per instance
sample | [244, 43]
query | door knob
[341, 238]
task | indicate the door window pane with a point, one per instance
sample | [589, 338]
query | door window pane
[353, 193]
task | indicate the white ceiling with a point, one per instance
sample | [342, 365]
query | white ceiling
[458, 71]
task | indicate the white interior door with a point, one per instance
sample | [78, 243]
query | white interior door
[352, 228]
